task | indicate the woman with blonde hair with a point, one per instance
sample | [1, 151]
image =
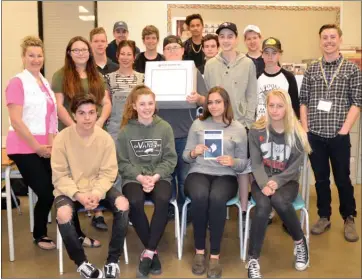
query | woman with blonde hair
[146, 159]
[278, 144]
[33, 125]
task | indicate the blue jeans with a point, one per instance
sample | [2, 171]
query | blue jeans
[337, 150]
[180, 172]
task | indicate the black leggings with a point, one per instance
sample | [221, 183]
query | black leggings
[281, 201]
[209, 195]
[37, 174]
[150, 234]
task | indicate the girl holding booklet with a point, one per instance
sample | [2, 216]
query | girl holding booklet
[212, 181]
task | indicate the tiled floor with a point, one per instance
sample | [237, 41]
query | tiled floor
[331, 256]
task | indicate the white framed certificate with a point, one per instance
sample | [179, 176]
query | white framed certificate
[171, 81]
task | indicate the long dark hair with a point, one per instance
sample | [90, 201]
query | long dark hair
[72, 83]
[228, 114]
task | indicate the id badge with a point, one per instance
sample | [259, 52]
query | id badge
[324, 105]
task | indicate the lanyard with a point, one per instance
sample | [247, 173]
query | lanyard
[334, 75]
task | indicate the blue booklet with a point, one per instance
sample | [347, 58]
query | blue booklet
[213, 139]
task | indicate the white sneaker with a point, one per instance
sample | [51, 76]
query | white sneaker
[111, 270]
[253, 268]
[301, 253]
[88, 270]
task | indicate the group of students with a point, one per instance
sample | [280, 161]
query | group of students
[115, 149]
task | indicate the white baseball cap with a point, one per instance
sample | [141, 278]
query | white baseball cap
[254, 28]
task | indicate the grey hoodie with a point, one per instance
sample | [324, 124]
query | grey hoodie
[146, 150]
[272, 159]
[239, 80]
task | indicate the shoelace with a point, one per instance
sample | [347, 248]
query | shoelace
[87, 268]
[254, 268]
[300, 252]
[112, 269]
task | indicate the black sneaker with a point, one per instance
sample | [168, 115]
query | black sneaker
[253, 268]
[301, 253]
[98, 223]
[156, 265]
[144, 267]
[87, 270]
[110, 270]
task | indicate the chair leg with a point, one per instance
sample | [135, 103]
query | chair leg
[50, 217]
[227, 214]
[9, 214]
[183, 226]
[60, 245]
[240, 226]
[177, 229]
[31, 208]
[246, 231]
[125, 251]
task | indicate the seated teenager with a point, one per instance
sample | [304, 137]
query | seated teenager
[277, 146]
[84, 168]
[146, 158]
[212, 182]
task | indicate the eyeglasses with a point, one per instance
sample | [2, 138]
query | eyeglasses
[171, 49]
[79, 51]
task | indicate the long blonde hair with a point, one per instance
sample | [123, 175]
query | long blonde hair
[292, 128]
[129, 112]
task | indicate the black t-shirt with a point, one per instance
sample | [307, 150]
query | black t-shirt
[194, 52]
[110, 67]
[259, 64]
[140, 62]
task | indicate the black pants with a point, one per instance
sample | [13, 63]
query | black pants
[37, 174]
[337, 150]
[209, 195]
[281, 201]
[70, 235]
[150, 234]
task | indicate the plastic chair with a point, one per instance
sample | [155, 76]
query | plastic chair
[173, 201]
[234, 201]
[60, 244]
[300, 203]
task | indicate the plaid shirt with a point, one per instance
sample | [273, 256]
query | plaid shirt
[345, 91]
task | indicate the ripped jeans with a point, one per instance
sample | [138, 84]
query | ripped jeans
[70, 236]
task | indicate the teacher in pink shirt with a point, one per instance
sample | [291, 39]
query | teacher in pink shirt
[33, 125]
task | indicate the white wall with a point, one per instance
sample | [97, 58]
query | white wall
[19, 19]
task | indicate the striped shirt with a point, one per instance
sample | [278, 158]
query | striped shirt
[344, 89]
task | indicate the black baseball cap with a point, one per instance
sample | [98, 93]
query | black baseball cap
[272, 43]
[172, 39]
[228, 25]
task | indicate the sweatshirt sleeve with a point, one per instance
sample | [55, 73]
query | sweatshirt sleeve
[169, 156]
[61, 176]
[241, 148]
[292, 169]
[108, 171]
[191, 143]
[201, 86]
[293, 91]
[125, 168]
[256, 157]
[251, 96]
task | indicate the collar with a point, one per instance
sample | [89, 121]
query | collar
[334, 62]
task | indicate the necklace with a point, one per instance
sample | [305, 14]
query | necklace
[192, 45]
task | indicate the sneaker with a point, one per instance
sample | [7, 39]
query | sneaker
[322, 225]
[271, 216]
[301, 253]
[98, 223]
[87, 270]
[253, 268]
[350, 233]
[110, 270]
[144, 267]
[156, 265]
[199, 264]
[214, 270]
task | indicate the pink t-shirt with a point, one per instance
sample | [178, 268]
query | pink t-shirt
[15, 95]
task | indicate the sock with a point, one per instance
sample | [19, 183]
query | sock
[147, 254]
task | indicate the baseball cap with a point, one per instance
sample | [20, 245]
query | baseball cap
[253, 28]
[172, 39]
[120, 25]
[228, 25]
[273, 43]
